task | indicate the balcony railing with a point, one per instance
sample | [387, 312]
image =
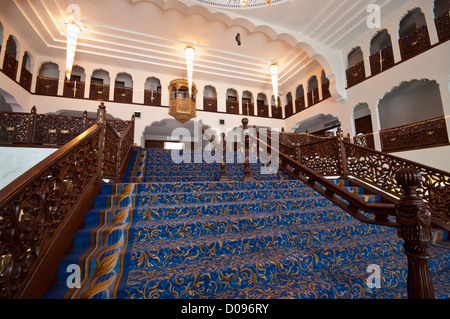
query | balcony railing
[300, 104]
[355, 74]
[232, 107]
[421, 134]
[414, 43]
[25, 79]
[443, 26]
[74, 89]
[263, 110]
[10, 65]
[47, 86]
[99, 92]
[152, 98]
[382, 60]
[248, 108]
[123, 94]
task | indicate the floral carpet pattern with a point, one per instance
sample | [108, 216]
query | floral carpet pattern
[173, 231]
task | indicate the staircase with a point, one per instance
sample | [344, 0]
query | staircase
[172, 231]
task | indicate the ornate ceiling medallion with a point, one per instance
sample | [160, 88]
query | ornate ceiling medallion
[238, 4]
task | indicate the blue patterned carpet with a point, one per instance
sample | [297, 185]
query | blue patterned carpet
[173, 231]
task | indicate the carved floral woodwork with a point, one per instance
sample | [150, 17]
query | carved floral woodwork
[326, 90]
[300, 104]
[415, 135]
[123, 94]
[99, 92]
[74, 89]
[232, 107]
[289, 110]
[152, 97]
[313, 97]
[414, 43]
[35, 206]
[382, 60]
[443, 26]
[263, 110]
[210, 104]
[277, 112]
[248, 108]
[47, 86]
[25, 79]
[10, 65]
[14, 127]
[182, 103]
[355, 74]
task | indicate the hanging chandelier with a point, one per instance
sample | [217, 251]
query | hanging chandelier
[73, 29]
[236, 4]
[274, 74]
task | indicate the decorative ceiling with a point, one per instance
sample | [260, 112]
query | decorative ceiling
[298, 35]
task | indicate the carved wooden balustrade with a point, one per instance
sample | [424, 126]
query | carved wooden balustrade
[47, 86]
[10, 65]
[263, 110]
[123, 94]
[443, 26]
[355, 74]
[382, 60]
[289, 110]
[232, 107]
[366, 140]
[277, 112]
[152, 97]
[425, 133]
[32, 128]
[326, 90]
[313, 97]
[419, 191]
[248, 108]
[42, 209]
[74, 89]
[25, 79]
[414, 43]
[210, 104]
[300, 104]
[99, 92]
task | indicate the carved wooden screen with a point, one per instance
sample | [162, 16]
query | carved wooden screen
[263, 110]
[25, 79]
[277, 112]
[47, 86]
[123, 94]
[210, 104]
[152, 97]
[74, 89]
[248, 108]
[300, 104]
[326, 90]
[382, 60]
[355, 74]
[232, 107]
[289, 109]
[443, 26]
[99, 92]
[414, 43]
[10, 65]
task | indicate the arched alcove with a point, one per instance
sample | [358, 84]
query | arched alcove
[232, 101]
[363, 126]
[25, 72]
[300, 103]
[441, 13]
[413, 34]
[320, 124]
[99, 89]
[277, 111]
[123, 88]
[289, 106]
[48, 79]
[10, 63]
[313, 91]
[412, 115]
[210, 98]
[248, 107]
[75, 86]
[152, 91]
[381, 53]
[262, 105]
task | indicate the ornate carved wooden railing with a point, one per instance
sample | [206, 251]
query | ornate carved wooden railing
[25, 79]
[47, 86]
[232, 107]
[42, 209]
[263, 110]
[248, 108]
[425, 133]
[300, 104]
[288, 109]
[277, 112]
[326, 90]
[74, 89]
[355, 74]
[382, 60]
[414, 43]
[313, 97]
[443, 26]
[210, 104]
[152, 97]
[409, 214]
[33, 128]
[10, 65]
[366, 140]
[123, 94]
[99, 92]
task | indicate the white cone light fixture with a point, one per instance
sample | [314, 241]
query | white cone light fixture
[189, 53]
[274, 74]
[73, 29]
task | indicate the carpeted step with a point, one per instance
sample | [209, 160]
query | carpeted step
[211, 278]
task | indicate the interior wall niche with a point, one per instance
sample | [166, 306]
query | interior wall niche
[354, 57]
[380, 41]
[410, 102]
[153, 84]
[412, 21]
[210, 92]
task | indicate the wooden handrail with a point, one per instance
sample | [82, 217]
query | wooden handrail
[412, 218]
[41, 211]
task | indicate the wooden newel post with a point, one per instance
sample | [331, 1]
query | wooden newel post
[414, 222]
[246, 150]
[101, 119]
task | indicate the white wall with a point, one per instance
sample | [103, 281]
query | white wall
[14, 161]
